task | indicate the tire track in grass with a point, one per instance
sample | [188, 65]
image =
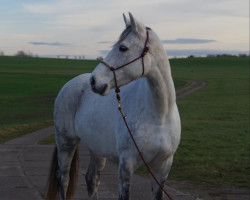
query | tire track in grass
[190, 88]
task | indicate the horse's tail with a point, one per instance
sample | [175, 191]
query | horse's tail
[73, 174]
[52, 190]
[52, 179]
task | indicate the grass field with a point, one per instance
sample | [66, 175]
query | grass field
[215, 120]
[28, 88]
[215, 144]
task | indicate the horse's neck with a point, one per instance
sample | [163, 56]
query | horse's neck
[161, 87]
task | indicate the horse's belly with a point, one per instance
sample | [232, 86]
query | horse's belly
[94, 124]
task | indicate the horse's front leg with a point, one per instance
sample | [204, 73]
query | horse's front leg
[126, 169]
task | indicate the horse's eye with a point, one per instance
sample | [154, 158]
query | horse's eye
[123, 48]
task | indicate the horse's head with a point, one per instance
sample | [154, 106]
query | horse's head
[129, 47]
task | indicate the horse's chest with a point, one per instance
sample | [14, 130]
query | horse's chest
[150, 138]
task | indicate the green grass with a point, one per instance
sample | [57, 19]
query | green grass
[215, 145]
[180, 83]
[215, 122]
[28, 87]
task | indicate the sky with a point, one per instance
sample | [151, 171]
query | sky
[90, 27]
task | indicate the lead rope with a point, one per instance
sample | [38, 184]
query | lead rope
[117, 90]
[118, 97]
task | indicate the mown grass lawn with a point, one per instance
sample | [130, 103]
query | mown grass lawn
[215, 145]
[215, 122]
[28, 87]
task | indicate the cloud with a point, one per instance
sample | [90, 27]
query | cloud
[187, 41]
[49, 43]
[88, 26]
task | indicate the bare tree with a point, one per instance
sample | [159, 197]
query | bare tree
[21, 54]
[100, 58]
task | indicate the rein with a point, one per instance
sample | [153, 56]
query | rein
[118, 97]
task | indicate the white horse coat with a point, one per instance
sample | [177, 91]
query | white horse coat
[149, 103]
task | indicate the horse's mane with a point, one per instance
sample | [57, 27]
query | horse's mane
[124, 34]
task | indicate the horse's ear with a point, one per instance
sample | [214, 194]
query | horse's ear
[136, 26]
[126, 20]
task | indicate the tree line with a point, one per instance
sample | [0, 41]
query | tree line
[29, 54]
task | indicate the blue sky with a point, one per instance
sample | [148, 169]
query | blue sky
[90, 27]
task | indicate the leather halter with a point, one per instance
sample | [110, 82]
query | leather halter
[144, 52]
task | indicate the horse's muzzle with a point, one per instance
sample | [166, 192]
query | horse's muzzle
[100, 89]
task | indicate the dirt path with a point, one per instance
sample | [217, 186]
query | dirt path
[24, 171]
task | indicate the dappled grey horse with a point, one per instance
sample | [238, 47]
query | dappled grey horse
[86, 109]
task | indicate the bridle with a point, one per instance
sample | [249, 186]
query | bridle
[117, 89]
[118, 97]
[143, 54]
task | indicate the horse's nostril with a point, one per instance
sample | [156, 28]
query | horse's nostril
[104, 87]
[92, 81]
[100, 89]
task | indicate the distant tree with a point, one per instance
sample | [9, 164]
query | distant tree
[225, 55]
[210, 55]
[100, 58]
[21, 54]
[191, 56]
[242, 55]
[1, 53]
[24, 54]
[81, 57]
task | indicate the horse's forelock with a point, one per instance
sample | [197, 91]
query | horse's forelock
[124, 34]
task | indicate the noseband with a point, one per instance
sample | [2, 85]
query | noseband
[117, 91]
[144, 52]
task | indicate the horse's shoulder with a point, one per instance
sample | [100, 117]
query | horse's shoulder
[72, 91]
[79, 82]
